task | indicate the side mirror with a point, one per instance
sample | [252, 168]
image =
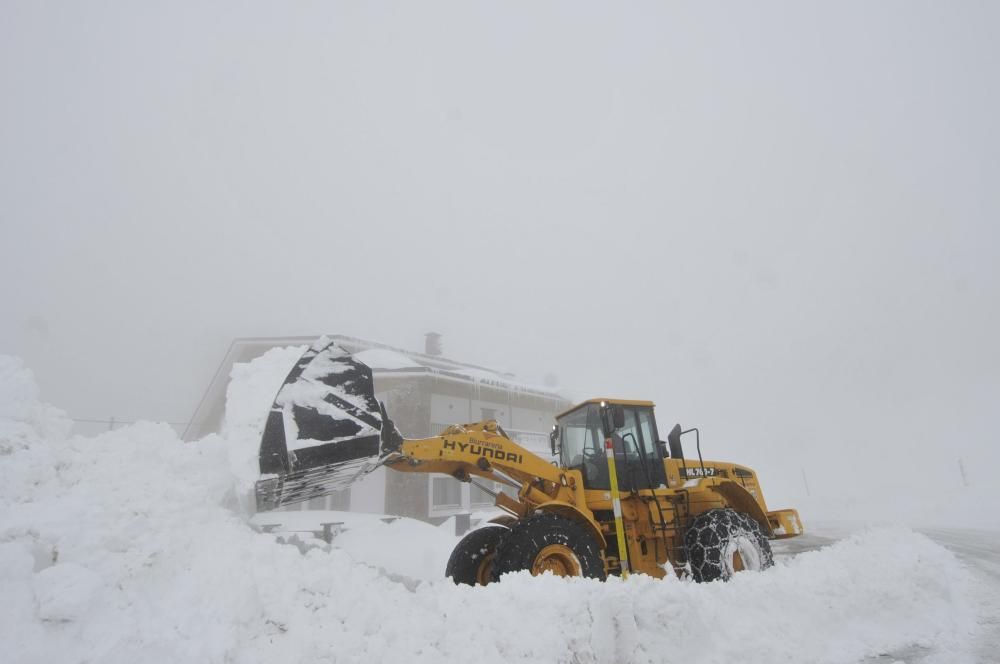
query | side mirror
[674, 437]
[660, 445]
[617, 415]
[554, 439]
[613, 417]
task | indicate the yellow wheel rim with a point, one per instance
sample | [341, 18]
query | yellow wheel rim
[483, 571]
[558, 559]
[738, 562]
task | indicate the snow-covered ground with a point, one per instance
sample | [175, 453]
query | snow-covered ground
[135, 547]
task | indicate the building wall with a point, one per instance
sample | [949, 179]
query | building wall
[368, 494]
[423, 406]
[408, 403]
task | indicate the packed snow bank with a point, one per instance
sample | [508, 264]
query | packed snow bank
[249, 396]
[23, 418]
[125, 548]
[374, 539]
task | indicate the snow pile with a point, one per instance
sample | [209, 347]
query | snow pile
[121, 548]
[23, 418]
[249, 397]
[252, 388]
[370, 539]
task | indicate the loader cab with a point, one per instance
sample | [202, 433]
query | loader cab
[580, 434]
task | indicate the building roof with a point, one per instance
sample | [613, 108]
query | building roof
[383, 359]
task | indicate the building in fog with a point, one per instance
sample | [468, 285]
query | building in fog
[423, 393]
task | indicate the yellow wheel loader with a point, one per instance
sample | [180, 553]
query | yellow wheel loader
[618, 501]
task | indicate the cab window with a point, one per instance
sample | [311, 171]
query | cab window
[581, 436]
[582, 448]
[638, 433]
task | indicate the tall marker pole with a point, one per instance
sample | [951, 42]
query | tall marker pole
[617, 505]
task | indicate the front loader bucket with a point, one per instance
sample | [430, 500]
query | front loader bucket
[323, 429]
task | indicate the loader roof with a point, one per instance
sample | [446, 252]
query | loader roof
[623, 402]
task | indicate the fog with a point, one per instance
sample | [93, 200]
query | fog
[778, 220]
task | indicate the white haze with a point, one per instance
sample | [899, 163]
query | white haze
[777, 220]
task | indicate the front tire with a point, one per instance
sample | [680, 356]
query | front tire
[549, 543]
[722, 542]
[471, 561]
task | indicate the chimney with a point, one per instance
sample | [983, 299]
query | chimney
[432, 343]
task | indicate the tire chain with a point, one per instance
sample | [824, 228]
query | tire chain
[464, 558]
[706, 538]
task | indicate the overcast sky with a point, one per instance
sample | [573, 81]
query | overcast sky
[777, 220]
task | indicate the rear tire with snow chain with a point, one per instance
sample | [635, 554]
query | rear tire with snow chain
[546, 542]
[721, 542]
[471, 561]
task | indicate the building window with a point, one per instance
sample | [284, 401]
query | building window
[533, 441]
[480, 498]
[489, 413]
[446, 492]
[313, 504]
[449, 496]
[338, 500]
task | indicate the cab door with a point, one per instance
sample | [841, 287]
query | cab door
[637, 454]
